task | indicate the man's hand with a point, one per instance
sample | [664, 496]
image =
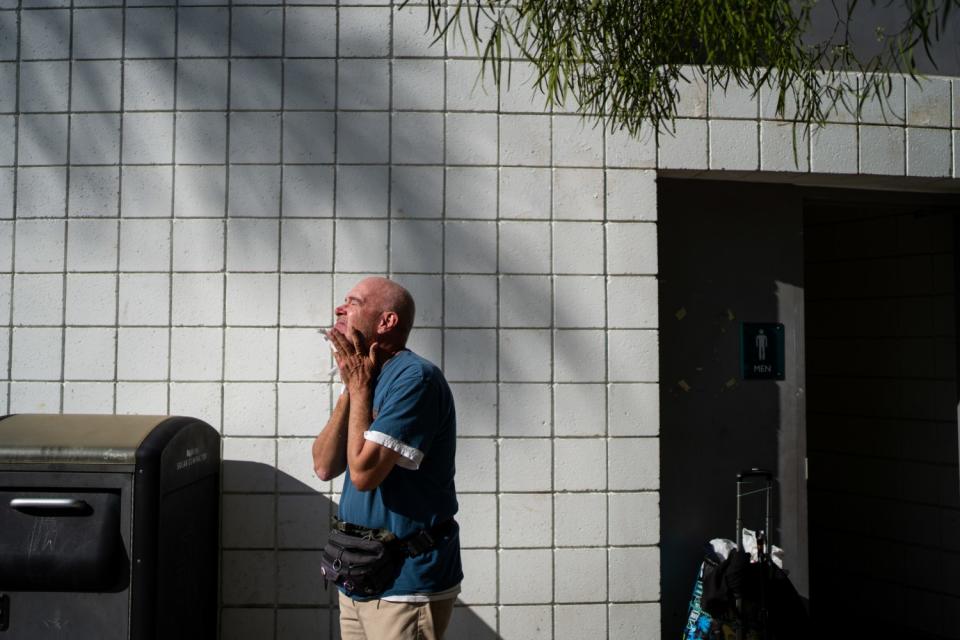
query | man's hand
[359, 365]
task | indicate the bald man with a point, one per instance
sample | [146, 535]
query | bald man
[393, 431]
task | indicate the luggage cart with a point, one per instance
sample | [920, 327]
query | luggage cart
[736, 598]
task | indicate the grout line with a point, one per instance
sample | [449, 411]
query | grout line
[66, 213]
[8, 385]
[173, 191]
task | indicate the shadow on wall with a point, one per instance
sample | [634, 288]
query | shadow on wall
[273, 529]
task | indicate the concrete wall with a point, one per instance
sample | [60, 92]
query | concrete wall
[187, 190]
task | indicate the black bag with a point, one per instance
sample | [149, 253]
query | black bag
[362, 564]
[366, 561]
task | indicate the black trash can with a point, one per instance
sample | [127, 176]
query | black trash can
[108, 527]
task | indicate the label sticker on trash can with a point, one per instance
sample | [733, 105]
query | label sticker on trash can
[761, 351]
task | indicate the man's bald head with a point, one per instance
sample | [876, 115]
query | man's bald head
[391, 297]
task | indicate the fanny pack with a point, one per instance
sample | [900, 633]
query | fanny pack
[367, 561]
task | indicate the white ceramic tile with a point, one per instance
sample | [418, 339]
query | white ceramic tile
[634, 409]
[684, 146]
[37, 299]
[579, 409]
[93, 192]
[478, 520]
[634, 464]
[633, 355]
[256, 31]
[416, 192]
[201, 84]
[928, 152]
[308, 136]
[41, 192]
[580, 519]
[416, 246]
[44, 34]
[525, 355]
[254, 136]
[524, 247]
[572, 621]
[471, 192]
[580, 575]
[634, 518]
[203, 31]
[97, 33]
[303, 355]
[144, 245]
[252, 245]
[634, 574]
[577, 247]
[525, 140]
[470, 301]
[361, 246]
[477, 464]
[834, 149]
[142, 353]
[95, 85]
[91, 299]
[197, 298]
[40, 245]
[525, 193]
[255, 83]
[471, 138]
[526, 520]
[476, 408]
[147, 138]
[309, 84]
[302, 408]
[578, 355]
[89, 354]
[416, 84]
[470, 247]
[526, 576]
[363, 137]
[197, 399]
[149, 33]
[525, 301]
[44, 86]
[578, 194]
[579, 301]
[148, 85]
[525, 464]
[631, 248]
[198, 245]
[249, 409]
[196, 353]
[144, 299]
[250, 354]
[572, 456]
[364, 32]
[417, 138]
[311, 31]
[734, 145]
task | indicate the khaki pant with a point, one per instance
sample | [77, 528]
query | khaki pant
[384, 620]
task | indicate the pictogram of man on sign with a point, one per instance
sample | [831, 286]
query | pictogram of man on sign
[761, 342]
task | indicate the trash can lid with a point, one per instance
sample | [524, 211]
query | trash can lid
[77, 439]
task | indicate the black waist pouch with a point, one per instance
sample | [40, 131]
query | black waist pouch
[366, 565]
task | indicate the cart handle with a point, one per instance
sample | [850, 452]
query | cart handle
[755, 473]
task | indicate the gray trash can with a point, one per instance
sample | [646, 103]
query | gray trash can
[108, 527]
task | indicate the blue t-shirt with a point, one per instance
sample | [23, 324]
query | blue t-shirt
[413, 415]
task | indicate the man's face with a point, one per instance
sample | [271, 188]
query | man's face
[360, 310]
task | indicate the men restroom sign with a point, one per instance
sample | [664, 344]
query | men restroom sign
[761, 351]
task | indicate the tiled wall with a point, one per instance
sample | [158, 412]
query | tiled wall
[186, 191]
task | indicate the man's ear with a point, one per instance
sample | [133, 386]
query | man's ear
[388, 322]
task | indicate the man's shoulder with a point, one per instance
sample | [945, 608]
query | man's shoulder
[412, 367]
